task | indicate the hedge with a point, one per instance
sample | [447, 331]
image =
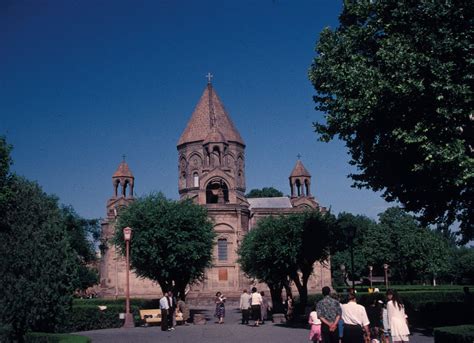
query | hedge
[454, 334]
[39, 337]
[90, 317]
[424, 309]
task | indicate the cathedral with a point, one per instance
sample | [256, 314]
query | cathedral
[211, 171]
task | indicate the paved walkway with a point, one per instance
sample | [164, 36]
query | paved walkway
[231, 331]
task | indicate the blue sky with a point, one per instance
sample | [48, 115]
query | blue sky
[84, 82]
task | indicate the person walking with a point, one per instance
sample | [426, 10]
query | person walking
[355, 320]
[220, 307]
[164, 307]
[397, 319]
[329, 312]
[245, 307]
[256, 303]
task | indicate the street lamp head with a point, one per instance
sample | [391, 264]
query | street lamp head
[385, 266]
[127, 234]
[371, 267]
[343, 267]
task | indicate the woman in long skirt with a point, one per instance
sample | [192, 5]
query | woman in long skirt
[220, 308]
[397, 319]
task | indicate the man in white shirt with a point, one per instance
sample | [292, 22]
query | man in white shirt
[245, 306]
[355, 321]
[164, 307]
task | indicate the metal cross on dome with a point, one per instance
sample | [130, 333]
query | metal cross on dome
[209, 77]
[299, 156]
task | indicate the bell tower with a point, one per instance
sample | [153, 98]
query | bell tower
[300, 187]
[123, 183]
[211, 171]
[211, 155]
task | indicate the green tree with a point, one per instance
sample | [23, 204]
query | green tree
[413, 252]
[395, 83]
[265, 254]
[5, 162]
[285, 248]
[417, 252]
[462, 267]
[364, 254]
[42, 253]
[312, 231]
[265, 192]
[83, 236]
[38, 265]
[171, 242]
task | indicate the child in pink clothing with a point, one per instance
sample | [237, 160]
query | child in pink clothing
[315, 322]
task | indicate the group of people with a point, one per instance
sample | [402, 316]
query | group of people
[255, 306]
[333, 322]
[169, 306]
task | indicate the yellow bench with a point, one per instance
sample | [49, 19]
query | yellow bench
[154, 316]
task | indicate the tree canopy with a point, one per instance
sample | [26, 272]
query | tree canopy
[284, 248]
[83, 234]
[171, 243]
[412, 251]
[38, 265]
[395, 83]
[265, 192]
[45, 247]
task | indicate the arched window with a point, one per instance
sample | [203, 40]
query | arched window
[217, 192]
[195, 179]
[116, 185]
[298, 187]
[306, 183]
[222, 249]
[124, 189]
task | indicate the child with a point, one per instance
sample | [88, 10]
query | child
[315, 322]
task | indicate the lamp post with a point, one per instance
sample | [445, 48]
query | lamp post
[351, 233]
[370, 275]
[385, 269]
[127, 235]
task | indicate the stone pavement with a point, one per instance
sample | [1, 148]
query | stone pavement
[231, 331]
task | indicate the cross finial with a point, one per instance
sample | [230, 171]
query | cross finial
[299, 156]
[209, 77]
[123, 157]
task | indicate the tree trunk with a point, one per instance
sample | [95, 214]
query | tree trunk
[179, 291]
[275, 293]
[302, 286]
[288, 289]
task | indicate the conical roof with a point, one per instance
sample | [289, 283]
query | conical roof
[299, 170]
[123, 170]
[209, 113]
[215, 136]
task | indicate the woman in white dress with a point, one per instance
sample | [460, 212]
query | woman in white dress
[397, 319]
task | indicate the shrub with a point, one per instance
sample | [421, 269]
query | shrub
[454, 334]
[424, 309]
[89, 317]
[39, 337]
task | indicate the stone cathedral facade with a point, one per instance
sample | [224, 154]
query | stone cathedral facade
[211, 171]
